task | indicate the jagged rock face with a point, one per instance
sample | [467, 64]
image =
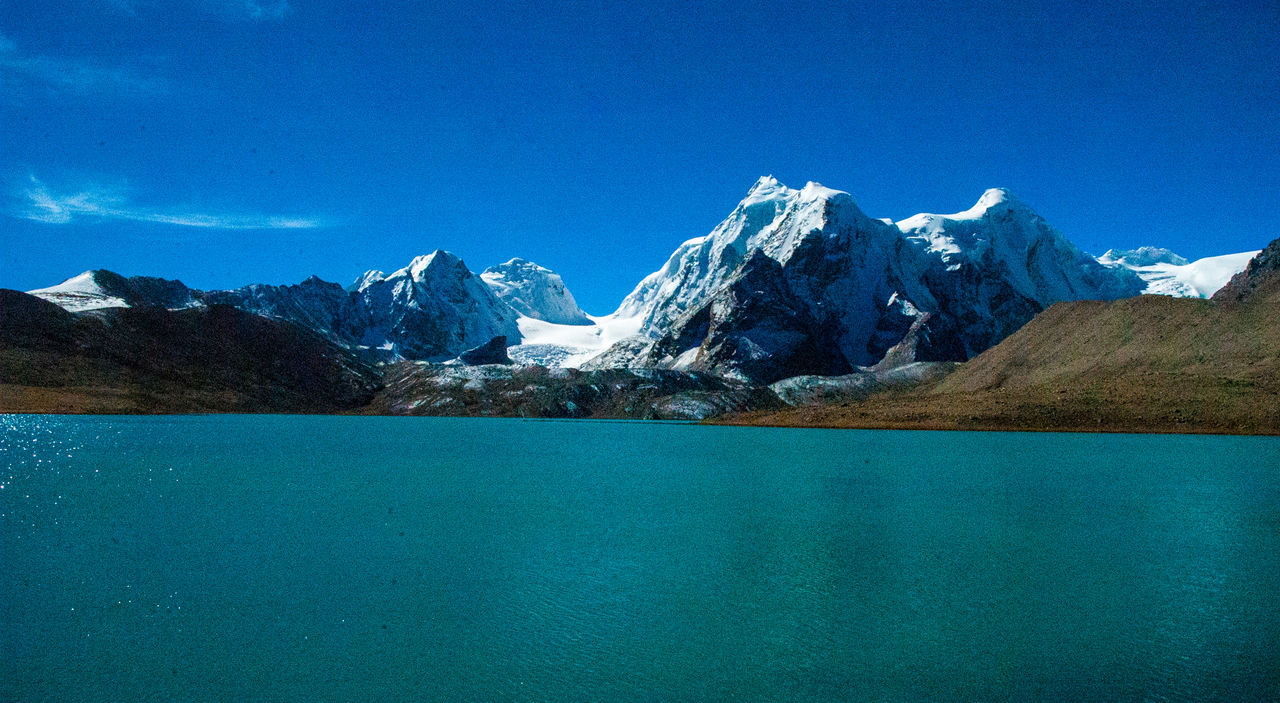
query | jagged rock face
[366, 279]
[315, 304]
[433, 309]
[772, 218]
[753, 329]
[492, 352]
[1258, 280]
[865, 283]
[534, 291]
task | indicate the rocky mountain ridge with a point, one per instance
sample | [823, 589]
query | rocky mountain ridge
[794, 281]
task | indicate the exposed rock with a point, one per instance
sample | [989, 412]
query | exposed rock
[818, 390]
[1259, 279]
[864, 284]
[492, 352]
[753, 329]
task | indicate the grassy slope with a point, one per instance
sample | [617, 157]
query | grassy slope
[1146, 364]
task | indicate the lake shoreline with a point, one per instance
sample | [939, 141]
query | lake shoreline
[812, 418]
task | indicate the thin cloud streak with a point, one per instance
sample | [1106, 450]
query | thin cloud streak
[269, 10]
[43, 205]
[67, 75]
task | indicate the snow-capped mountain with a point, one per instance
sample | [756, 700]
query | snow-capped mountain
[534, 291]
[772, 218]
[793, 281]
[95, 290]
[857, 284]
[1166, 273]
[1005, 237]
[434, 308]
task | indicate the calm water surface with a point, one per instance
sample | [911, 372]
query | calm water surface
[327, 558]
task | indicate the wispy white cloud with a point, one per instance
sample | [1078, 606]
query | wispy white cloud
[266, 9]
[234, 10]
[97, 203]
[77, 76]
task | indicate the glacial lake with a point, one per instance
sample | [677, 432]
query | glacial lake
[201, 558]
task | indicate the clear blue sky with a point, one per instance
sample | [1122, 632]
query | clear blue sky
[225, 142]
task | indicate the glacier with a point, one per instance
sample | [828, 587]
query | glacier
[1167, 273]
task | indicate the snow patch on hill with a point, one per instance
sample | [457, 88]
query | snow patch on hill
[80, 293]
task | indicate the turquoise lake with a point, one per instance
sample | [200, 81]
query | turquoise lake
[241, 558]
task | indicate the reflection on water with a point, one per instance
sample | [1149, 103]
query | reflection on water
[394, 558]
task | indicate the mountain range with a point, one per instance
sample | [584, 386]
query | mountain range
[830, 290]
[794, 283]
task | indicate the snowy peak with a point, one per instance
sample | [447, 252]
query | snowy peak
[772, 218]
[991, 199]
[99, 289]
[763, 186]
[80, 293]
[534, 291]
[1001, 233]
[433, 309]
[437, 263]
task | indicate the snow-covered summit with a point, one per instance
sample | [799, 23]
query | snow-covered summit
[772, 218]
[100, 288]
[1000, 231]
[863, 283]
[1166, 273]
[434, 308]
[534, 291]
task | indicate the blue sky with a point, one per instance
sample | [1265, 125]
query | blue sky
[225, 142]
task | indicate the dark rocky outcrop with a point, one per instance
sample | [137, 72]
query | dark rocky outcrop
[492, 352]
[1261, 278]
[755, 329]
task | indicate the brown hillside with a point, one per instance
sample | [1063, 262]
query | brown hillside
[1145, 364]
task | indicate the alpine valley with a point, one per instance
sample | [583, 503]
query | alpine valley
[798, 308]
